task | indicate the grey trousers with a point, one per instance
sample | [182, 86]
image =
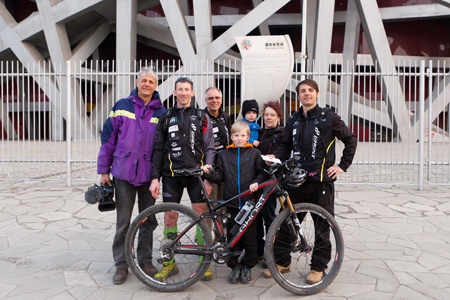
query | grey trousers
[125, 195]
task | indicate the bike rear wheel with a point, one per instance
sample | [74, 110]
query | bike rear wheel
[282, 248]
[148, 239]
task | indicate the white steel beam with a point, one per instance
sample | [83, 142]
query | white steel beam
[55, 33]
[322, 41]
[126, 30]
[311, 12]
[379, 47]
[179, 28]
[397, 13]
[203, 25]
[264, 26]
[203, 38]
[91, 42]
[126, 37]
[349, 55]
[225, 41]
[440, 92]
[443, 2]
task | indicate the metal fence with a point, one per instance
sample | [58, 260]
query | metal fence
[52, 115]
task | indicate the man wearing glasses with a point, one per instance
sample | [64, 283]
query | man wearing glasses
[221, 123]
[184, 139]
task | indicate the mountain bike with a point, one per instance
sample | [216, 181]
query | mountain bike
[190, 246]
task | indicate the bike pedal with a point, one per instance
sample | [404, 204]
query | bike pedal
[241, 256]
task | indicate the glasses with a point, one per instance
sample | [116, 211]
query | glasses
[212, 98]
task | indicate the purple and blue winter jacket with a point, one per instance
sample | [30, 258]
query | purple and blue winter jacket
[127, 139]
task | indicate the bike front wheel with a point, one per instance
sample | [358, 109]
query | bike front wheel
[175, 252]
[323, 249]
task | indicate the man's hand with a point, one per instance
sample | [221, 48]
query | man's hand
[105, 179]
[256, 143]
[208, 186]
[269, 162]
[154, 188]
[253, 187]
[333, 171]
[207, 169]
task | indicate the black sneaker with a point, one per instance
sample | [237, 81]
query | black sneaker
[246, 275]
[234, 275]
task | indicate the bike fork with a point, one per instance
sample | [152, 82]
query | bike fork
[295, 225]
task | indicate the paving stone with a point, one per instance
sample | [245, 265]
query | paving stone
[62, 296]
[42, 294]
[383, 210]
[444, 207]
[388, 253]
[431, 261]
[81, 292]
[5, 289]
[78, 278]
[405, 292]
[405, 278]
[350, 290]
[405, 266]
[387, 286]
[375, 295]
[430, 280]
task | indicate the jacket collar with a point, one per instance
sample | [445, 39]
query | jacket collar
[312, 112]
[248, 145]
[154, 103]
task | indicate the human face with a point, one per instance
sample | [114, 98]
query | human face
[213, 101]
[271, 118]
[183, 92]
[146, 85]
[307, 96]
[240, 138]
[251, 116]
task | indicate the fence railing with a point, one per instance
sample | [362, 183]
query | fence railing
[51, 116]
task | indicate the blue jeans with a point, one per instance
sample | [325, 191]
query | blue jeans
[125, 198]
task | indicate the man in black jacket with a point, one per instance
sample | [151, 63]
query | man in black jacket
[310, 133]
[221, 123]
[184, 139]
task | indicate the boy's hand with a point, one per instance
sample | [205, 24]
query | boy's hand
[253, 187]
[255, 143]
[207, 169]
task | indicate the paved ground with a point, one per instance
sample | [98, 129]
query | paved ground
[53, 245]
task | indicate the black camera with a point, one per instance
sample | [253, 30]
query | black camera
[103, 194]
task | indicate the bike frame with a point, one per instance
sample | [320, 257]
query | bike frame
[269, 187]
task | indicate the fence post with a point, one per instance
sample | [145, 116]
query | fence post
[430, 89]
[421, 117]
[68, 126]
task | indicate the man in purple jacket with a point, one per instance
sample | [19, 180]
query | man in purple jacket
[127, 140]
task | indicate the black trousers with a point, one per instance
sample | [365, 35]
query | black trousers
[247, 241]
[322, 194]
[265, 219]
